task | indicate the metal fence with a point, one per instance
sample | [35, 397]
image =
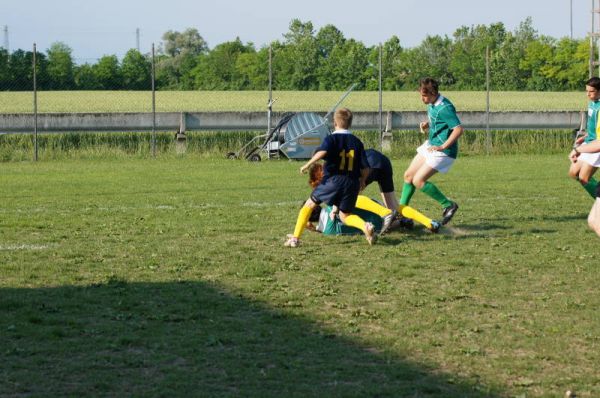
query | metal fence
[42, 111]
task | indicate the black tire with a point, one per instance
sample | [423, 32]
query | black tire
[231, 155]
[255, 157]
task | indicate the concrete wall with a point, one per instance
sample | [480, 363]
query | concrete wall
[58, 122]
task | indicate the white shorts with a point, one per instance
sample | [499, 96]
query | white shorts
[435, 159]
[593, 159]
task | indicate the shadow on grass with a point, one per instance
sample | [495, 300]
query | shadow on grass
[165, 339]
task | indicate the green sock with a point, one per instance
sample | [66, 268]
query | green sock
[591, 187]
[407, 192]
[432, 191]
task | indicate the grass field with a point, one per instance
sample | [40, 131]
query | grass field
[169, 277]
[221, 101]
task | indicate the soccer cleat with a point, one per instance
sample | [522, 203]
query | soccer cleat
[387, 222]
[435, 226]
[370, 233]
[292, 241]
[449, 213]
[406, 223]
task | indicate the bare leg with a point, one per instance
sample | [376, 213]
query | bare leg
[594, 217]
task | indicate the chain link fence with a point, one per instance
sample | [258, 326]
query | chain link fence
[128, 96]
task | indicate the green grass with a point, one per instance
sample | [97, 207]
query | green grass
[222, 101]
[168, 276]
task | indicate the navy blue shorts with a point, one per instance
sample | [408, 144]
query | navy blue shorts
[337, 190]
[384, 178]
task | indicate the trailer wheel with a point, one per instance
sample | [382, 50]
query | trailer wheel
[254, 158]
[231, 155]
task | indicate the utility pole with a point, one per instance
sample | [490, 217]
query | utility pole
[137, 39]
[571, 19]
[594, 40]
[6, 39]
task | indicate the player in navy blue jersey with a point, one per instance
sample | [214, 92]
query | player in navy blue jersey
[381, 171]
[345, 173]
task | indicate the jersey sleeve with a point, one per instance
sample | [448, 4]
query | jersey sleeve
[450, 116]
[325, 145]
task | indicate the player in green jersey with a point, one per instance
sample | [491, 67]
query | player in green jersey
[592, 147]
[438, 153]
[583, 167]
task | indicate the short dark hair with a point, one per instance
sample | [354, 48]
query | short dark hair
[594, 82]
[429, 85]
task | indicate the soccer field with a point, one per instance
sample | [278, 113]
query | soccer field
[169, 277]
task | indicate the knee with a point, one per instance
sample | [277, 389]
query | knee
[418, 182]
[408, 177]
[573, 174]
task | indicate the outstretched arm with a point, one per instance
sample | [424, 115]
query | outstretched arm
[316, 157]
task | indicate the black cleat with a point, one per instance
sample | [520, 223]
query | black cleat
[406, 223]
[449, 213]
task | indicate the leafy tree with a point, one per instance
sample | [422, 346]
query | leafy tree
[505, 59]
[136, 71]
[181, 52]
[5, 81]
[391, 67]
[468, 53]
[21, 70]
[536, 63]
[108, 73]
[85, 78]
[296, 60]
[177, 43]
[348, 65]
[430, 58]
[253, 68]
[217, 70]
[565, 70]
[60, 67]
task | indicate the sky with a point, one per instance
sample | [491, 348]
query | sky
[93, 28]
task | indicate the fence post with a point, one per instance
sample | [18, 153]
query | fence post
[488, 135]
[153, 105]
[35, 119]
[380, 98]
[270, 102]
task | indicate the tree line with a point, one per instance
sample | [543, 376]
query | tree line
[306, 59]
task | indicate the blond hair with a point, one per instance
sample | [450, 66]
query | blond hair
[343, 118]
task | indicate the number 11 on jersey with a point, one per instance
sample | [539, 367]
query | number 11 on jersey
[349, 164]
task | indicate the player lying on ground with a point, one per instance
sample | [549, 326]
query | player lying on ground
[594, 216]
[326, 219]
[383, 176]
[346, 169]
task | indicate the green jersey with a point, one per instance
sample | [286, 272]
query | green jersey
[592, 121]
[337, 227]
[442, 120]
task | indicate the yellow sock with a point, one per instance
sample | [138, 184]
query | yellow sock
[364, 203]
[413, 214]
[355, 221]
[303, 217]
